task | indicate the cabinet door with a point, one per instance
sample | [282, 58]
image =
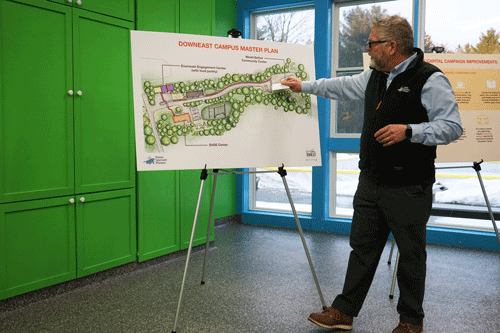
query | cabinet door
[106, 230]
[104, 127]
[124, 9]
[158, 213]
[37, 245]
[36, 122]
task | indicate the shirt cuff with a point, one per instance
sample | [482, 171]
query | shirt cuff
[417, 135]
[306, 87]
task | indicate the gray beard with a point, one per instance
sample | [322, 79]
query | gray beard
[375, 65]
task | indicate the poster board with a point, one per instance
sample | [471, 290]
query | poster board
[216, 101]
[475, 79]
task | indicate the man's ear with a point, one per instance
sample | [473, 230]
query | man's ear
[394, 47]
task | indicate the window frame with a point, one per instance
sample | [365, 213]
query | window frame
[320, 220]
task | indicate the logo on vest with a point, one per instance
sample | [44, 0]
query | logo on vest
[404, 89]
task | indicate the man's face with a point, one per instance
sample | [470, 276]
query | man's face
[378, 52]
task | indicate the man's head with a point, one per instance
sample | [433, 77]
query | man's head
[391, 42]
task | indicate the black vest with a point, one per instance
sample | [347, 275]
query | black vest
[403, 163]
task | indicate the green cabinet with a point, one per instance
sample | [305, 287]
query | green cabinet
[66, 133]
[37, 244]
[66, 102]
[123, 9]
[106, 230]
[36, 123]
[40, 245]
[104, 141]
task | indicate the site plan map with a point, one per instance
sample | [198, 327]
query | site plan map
[215, 101]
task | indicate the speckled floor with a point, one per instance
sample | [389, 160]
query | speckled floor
[258, 280]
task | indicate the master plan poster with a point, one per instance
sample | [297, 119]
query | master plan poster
[475, 79]
[217, 101]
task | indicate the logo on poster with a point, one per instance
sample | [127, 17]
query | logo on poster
[310, 153]
[483, 120]
[491, 84]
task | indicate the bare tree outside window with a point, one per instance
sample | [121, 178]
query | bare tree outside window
[354, 31]
[291, 26]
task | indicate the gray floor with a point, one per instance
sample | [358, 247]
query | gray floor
[258, 280]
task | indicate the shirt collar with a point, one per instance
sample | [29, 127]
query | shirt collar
[401, 67]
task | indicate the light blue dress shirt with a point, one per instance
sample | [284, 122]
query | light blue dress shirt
[444, 124]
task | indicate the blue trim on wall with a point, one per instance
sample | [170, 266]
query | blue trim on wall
[281, 220]
[344, 144]
[322, 60]
[435, 235]
[416, 13]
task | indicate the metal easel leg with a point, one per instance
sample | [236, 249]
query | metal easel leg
[392, 250]
[203, 177]
[282, 173]
[477, 167]
[391, 294]
[209, 228]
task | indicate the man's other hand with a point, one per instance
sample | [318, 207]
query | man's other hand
[391, 134]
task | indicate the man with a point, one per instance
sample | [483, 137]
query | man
[409, 109]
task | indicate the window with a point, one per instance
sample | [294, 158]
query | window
[346, 181]
[352, 26]
[456, 25]
[467, 27]
[292, 25]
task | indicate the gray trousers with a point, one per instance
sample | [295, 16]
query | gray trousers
[378, 210]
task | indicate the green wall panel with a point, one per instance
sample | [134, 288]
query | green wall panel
[190, 184]
[225, 11]
[158, 227]
[225, 194]
[162, 215]
[36, 129]
[197, 17]
[158, 15]
[37, 245]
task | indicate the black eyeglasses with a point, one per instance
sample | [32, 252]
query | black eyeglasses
[370, 43]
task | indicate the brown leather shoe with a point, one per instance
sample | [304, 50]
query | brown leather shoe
[409, 328]
[332, 318]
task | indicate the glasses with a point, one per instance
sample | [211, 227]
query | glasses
[371, 43]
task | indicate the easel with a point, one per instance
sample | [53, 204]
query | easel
[215, 173]
[476, 166]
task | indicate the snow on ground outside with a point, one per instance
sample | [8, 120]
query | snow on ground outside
[457, 187]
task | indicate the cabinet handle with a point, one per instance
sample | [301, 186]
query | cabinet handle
[79, 2]
[72, 200]
[70, 92]
[79, 92]
[82, 199]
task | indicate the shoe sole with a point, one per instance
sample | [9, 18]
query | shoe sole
[341, 327]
